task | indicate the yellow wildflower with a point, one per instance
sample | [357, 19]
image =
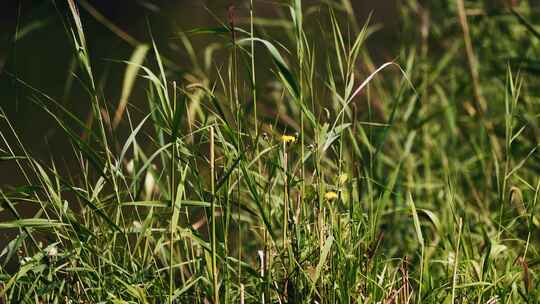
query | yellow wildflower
[288, 138]
[330, 196]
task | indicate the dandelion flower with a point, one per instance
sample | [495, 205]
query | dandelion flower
[330, 196]
[288, 138]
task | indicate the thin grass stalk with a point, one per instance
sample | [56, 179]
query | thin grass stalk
[253, 78]
[226, 226]
[172, 189]
[301, 54]
[257, 151]
[213, 216]
[510, 99]
[232, 20]
[456, 261]
[285, 195]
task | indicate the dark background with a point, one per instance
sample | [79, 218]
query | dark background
[42, 53]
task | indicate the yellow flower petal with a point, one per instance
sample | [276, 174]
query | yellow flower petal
[288, 138]
[330, 196]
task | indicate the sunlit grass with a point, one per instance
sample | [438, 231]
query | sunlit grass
[322, 177]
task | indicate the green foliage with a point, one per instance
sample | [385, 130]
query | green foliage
[292, 168]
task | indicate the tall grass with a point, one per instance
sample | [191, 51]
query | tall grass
[289, 168]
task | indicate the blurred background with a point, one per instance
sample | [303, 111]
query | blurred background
[35, 48]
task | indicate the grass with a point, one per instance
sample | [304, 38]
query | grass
[288, 167]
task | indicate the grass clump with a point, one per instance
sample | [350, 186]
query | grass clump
[290, 167]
